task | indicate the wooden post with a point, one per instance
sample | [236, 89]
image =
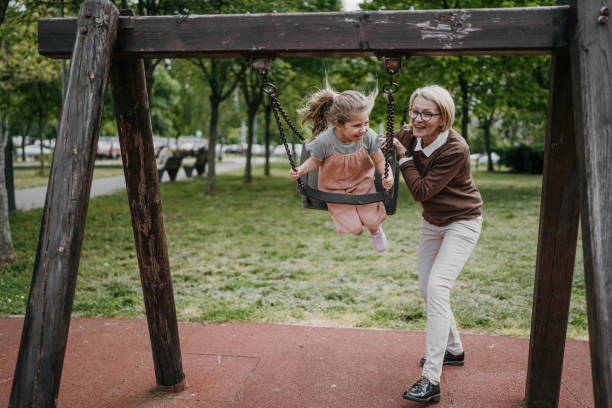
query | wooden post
[591, 65]
[557, 239]
[136, 139]
[45, 330]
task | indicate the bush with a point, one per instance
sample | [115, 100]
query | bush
[524, 158]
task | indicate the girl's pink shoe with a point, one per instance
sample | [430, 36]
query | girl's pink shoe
[379, 240]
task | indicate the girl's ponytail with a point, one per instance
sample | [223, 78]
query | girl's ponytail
[317, 109]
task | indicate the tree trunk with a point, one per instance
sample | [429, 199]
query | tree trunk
[3, 7]
[24, 133]
[486, 126]
[40, 137]
[267, 119]
[211, 185]
[465, 107]
[248, 177]
[7, 253]
[9, 180]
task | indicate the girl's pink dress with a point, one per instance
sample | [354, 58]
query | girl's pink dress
[351, 174]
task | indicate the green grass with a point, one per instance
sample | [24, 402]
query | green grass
[31, 176]
[252, 253]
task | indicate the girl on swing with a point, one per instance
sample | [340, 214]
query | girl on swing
[346, 150]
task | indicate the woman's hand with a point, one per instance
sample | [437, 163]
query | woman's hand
[388, 181]
[399, 147]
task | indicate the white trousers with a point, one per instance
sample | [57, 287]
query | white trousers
[443, 251]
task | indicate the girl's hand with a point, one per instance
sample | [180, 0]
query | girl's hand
[388, 182]
[294, 174]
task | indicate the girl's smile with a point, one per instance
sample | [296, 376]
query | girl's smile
[354, 129]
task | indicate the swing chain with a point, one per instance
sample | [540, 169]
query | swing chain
[392, 66]
[270, 90]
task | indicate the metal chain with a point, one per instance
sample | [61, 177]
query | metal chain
[390, 130]
[289, 122]
[270, 89]
[389, 89]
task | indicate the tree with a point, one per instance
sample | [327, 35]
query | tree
[164, 103]
[250, 84]
[7, 252]
[222, 76]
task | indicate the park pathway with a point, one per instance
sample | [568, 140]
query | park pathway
[30, 198]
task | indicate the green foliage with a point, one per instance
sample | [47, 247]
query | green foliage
[167, 92]
[30, 91]
[524, 158]
[506, 95]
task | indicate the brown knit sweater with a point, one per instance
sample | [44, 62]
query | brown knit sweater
[442, 182]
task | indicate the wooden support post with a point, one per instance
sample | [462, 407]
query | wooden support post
[591, 65]
[557, 239]
[45, 330]
[136, 138]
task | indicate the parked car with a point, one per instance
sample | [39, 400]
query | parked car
[279, 150]
[108, 148]
[33, 151]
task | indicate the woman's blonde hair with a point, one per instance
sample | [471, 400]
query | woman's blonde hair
[325, 106]
[442, 98]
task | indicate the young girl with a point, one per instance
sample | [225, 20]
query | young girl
[347, 152]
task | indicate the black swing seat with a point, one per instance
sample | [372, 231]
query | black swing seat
[313, 198]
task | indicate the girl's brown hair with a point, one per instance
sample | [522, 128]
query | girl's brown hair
[325, 106]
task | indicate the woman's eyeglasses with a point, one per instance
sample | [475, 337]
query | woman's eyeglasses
[425, 116]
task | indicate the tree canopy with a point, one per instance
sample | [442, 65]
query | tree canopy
[508, 93]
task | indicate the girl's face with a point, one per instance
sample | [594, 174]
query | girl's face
[427, 130]
[354, 129]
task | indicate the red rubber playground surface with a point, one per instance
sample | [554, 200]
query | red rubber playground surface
[108, 364]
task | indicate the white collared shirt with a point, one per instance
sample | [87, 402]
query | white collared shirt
[433, 146]
[430, 148]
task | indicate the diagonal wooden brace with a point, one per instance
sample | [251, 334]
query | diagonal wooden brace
[45, 331]
[136, 137]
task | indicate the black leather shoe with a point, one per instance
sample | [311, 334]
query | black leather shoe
[449, 359]
[423, 391]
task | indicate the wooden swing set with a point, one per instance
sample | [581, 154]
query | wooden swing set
[104, 43]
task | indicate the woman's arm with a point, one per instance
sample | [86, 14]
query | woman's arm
[309, 165]
[445, 169]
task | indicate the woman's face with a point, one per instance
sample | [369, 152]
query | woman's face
[354, 129]
[427, 130]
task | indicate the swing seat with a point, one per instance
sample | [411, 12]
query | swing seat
[313, 198]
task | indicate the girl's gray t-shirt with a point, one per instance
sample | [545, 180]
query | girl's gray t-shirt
[321, 148]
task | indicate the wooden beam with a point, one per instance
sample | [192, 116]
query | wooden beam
[432, 32]
[140, 168]
[557, 239]
[47, 319]
[591, 56]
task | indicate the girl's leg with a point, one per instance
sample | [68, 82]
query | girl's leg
[345, 217]
[372, 215]
[459, 240]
